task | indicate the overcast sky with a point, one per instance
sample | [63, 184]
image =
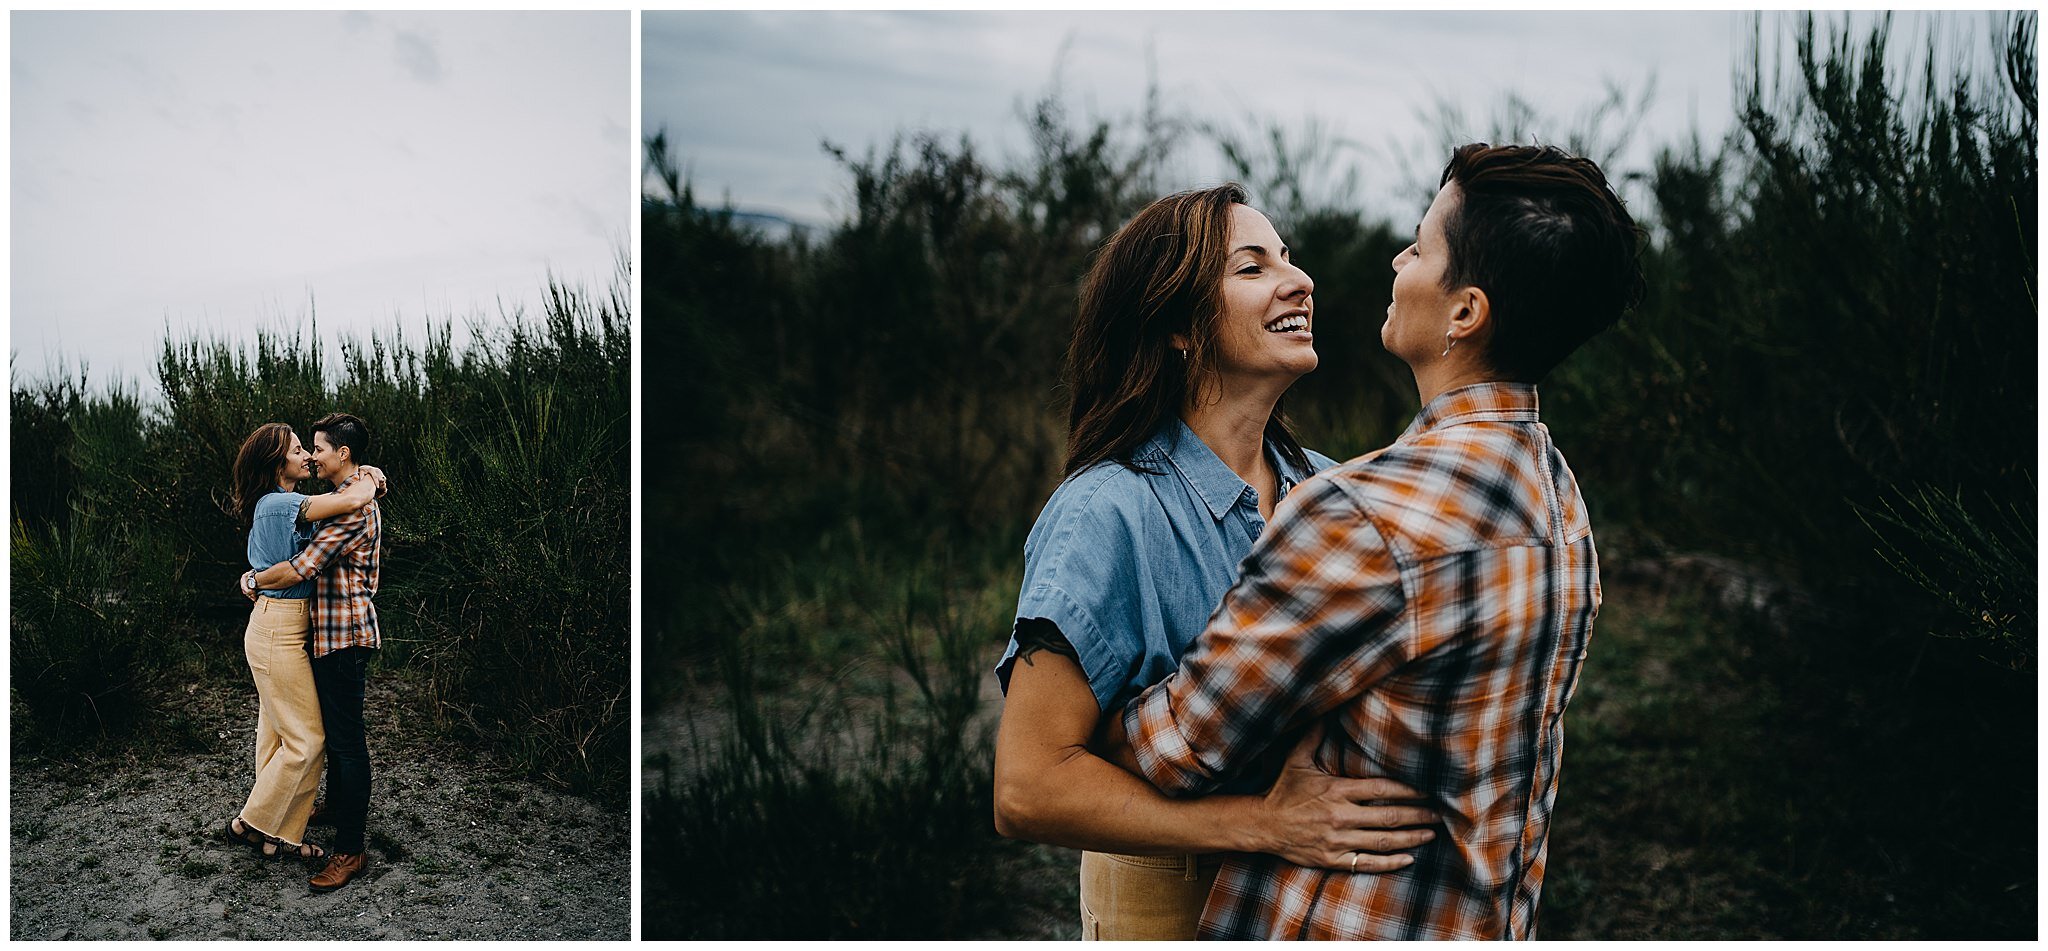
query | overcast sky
[746, 97]
[213, 171]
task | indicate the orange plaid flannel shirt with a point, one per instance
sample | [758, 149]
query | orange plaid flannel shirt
[1432, 602]
[346, 554]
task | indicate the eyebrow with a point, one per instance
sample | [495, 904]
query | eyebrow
[1257, 249]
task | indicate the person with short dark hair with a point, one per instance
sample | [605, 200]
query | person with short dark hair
[1428, 605]
[345, 555]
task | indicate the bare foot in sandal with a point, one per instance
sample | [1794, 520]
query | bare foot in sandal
[308, 851]
[238, 831]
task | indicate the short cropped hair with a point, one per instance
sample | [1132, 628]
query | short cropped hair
[343, 429]
[1544, 235]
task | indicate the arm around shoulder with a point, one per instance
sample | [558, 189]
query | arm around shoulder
[360, 493]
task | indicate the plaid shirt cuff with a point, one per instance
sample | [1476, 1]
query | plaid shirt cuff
[1163, 754]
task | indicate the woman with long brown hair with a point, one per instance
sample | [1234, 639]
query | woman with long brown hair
[290, 746]
[1193, 322]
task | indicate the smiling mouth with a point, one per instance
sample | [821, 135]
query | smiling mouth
[1288, 323]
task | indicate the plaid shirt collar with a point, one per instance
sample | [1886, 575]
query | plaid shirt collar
[1500, 401]
[351, 480]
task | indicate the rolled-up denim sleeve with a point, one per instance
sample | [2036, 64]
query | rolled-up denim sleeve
[1316, 617]
[1085, 580]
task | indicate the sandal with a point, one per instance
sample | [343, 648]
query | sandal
[307, 851]
[248, 836]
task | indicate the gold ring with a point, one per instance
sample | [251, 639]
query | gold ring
[1354, 863]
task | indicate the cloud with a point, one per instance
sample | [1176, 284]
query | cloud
[416, 54]
[595, 223]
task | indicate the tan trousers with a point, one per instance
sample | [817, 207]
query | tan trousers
[1144, 897]
[290, 747]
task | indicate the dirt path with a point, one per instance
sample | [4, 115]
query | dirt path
[127, 848]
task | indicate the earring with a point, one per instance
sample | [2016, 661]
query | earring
[1448, 344]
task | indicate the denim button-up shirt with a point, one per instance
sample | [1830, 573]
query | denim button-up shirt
[1129, 565]
[276, 536]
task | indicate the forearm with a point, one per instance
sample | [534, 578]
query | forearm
[1085, 802]
[1050, 788]
[335, 538]
[317, 508]
[280, 575]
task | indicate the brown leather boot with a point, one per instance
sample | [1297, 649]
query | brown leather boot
[341, 868]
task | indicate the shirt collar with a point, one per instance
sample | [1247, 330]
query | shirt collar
[1499, 402]
[1215, 482]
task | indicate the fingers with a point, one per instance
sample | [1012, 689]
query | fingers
[1363, 862]
[1373, 851]
[1386, 840]
[1390, 817]
[1377, 788]
[1369, 862]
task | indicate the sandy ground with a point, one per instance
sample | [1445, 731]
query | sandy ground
[128, 848]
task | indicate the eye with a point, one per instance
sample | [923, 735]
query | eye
[1248, 269]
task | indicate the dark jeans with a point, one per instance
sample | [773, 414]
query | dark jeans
[340, 677]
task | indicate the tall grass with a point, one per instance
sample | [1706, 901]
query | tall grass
[1841, 313]
[505, 579]
[1841, 318]
[873, 778]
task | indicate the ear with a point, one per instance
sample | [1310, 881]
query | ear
[1180, 342]
[1471, 314]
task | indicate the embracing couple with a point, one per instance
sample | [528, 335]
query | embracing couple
[313, 572]
[1274, 696]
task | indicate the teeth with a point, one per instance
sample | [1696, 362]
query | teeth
[1288, 324]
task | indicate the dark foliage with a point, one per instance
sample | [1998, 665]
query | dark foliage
[1841, 314]
[506, 571]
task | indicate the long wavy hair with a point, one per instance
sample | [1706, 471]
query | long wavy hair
[256, 466]
[1157, 276]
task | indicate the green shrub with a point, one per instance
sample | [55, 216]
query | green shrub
[506, 555]
[892, 805]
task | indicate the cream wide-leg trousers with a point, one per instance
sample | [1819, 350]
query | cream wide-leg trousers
[290, 747]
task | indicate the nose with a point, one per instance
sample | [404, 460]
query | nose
[1298, 283]
[1402, 256]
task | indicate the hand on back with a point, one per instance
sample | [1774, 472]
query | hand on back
[1319, 820]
